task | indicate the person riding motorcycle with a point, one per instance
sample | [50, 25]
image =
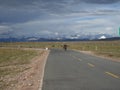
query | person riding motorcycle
[65, 47]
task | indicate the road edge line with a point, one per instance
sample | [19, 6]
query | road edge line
[43, 70]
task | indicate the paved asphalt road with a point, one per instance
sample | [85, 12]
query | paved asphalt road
[70, 70]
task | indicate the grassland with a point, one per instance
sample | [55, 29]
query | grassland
[106, 48]
[12, 62]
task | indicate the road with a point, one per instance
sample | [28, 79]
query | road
[70, 70]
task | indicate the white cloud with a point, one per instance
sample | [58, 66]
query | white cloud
[5, 29]
[109, 28]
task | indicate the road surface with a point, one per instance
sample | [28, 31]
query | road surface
[70, 70]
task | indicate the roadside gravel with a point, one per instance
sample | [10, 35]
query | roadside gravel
[31, 78]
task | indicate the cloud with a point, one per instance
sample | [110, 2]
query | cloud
[39, 17]
[5, 29]
[67, 26]
[100, 1]
[17, 3]
[109, 28]
[19, 11]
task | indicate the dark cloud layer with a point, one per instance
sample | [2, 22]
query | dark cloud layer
[15, 3]
[54, 15]
[101, 1]
[20, 3]
[14, 16]
[15, 11]
[18, 11]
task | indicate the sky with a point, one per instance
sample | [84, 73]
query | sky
[58, 17]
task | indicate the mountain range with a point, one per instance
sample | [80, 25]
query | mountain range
[75, 37]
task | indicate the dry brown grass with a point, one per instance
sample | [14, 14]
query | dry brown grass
[12, 62]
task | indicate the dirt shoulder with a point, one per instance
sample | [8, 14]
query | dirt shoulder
[101, 56]
[30, 79]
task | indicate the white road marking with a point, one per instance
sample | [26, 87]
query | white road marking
[42, 76]
[113, 75]
[91, 65]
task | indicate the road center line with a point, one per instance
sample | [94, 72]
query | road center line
[77, 58]
[91, 65]
[113, 75]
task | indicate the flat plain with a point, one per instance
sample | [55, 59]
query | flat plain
[15, 58]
